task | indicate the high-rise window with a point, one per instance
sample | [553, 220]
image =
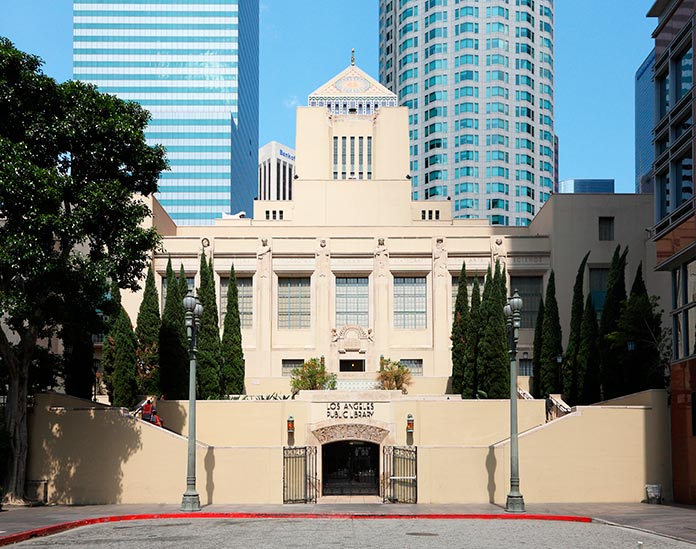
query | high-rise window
[352, 301]
[410, 305]
[294, 302]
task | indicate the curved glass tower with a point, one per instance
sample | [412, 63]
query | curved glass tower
[478, 78]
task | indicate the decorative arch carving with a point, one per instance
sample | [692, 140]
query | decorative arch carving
[350, 431]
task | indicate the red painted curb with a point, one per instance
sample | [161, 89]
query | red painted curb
[62, 527]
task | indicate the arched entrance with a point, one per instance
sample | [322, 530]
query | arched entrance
[349, 468]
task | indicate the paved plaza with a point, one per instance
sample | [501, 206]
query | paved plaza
[352, 533]
[351, 525]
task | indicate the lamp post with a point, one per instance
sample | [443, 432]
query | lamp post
[515, 500]
[194, 309]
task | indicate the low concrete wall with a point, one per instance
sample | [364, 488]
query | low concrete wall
[96, 454]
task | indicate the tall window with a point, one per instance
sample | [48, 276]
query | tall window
[245, 300]
[352, 301]
[606, 228]
[190, 280]
[294, 303]
[685, 73]
[410, 309]
[530, 290]
[599, 277]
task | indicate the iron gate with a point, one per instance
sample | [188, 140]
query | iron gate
[400, 483]
[300, 474]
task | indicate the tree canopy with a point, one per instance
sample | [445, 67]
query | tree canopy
[74, 162]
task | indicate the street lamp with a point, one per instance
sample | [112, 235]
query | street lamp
[194, 310]
[515, 500]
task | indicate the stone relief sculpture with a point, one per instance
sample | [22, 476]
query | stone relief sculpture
[498, 253]
[381, 258]
[323, 256]
[264, 258]
[440, 258]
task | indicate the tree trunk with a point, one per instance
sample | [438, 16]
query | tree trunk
[17, 358]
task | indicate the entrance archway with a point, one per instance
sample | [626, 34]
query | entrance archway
[350, 468]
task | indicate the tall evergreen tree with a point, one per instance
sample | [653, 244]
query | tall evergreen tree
[588, 357]
[470, 378]
[459, 333]
[124, 377]
[233, 355]
[493, 361]
[112, 310]
[173, 346]
[209, 354]
[147, 335]
[571, 378]
[612, 357]
[640, 327]
[536, 357]
[551, 342]
[183, 282]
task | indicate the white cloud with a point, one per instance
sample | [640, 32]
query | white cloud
[291, 102]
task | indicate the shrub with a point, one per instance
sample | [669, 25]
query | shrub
[312, 376]
[394, 376]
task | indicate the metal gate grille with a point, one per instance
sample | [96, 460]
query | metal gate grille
[300, 474]
[400, 481]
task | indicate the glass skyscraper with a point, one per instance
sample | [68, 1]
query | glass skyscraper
[478, 79]
[194, 65]
[645, 121]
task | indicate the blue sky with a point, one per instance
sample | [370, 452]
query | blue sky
[599, 46]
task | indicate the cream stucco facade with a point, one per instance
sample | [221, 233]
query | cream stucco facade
[352, 270]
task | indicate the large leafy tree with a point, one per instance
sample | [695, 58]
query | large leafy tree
[73, 162]
[613, 356]
[209, 354]
[459, 333]
[147, 335]
[493, 360]
[551, 342]
[232, 352]
[173, 347]
[571, 377]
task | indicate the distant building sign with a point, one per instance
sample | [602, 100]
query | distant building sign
[350, 410]
[287, 155]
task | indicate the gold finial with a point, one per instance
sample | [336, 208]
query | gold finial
[352, 57]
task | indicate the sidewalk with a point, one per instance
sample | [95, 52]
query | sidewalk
[668, 520]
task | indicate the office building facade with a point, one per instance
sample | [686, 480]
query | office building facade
[194, 65]
[645, 121]
[276, 172]
[675, 211]
[478, 80]
[586, 186]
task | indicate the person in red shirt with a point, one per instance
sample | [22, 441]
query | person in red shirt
[155, 418]
[147, 410]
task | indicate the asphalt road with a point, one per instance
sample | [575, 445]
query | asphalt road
[353, 533]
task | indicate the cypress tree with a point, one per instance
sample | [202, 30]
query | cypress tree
[173, 346]
[570, 378]
[183, 283]
[536, 357]
[124, 377]
[147, 334]
[493, 361]
[470, 374]
[209, 355]
[612, 356]
[588, 357]
[112, 308]
[233, 355]
[551, 342]
[459, 333]
[641, 325]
